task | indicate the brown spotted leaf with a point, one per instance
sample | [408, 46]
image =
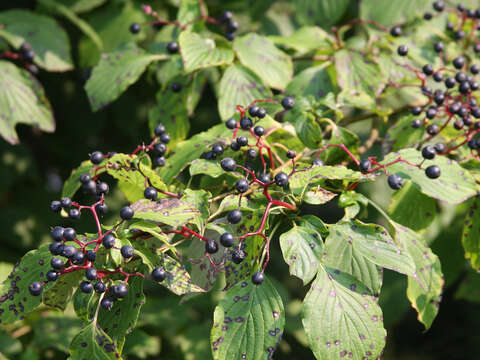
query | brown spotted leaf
[342, 318]
[93, 343]
[170, 211]
[454, 185]
[248, 323]
[121, 320]
[178, 279]
[471, 234]
[60, 294]
[115, 72]
[15, 299]
[357, 249]
[302, 249]
[425, 288]
[22, 101]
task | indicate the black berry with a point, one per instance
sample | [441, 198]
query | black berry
[108, 241]
[231, 124]
[288, 103]
[281, 179]
[159, 130]
[56, 206]
[241, 185]
[172, 47]
[257, 278]
[106, 303]
[396, 31]
[86, 287]
[428, 152]
[227, 239]
[238, 256]
[259, 130]
[119, 290]
[246, 123]
[234, 216]
[158, 274]
[99, 287]
[150, 193]
[57, 263]
[242, 140]
[126, 213]
[91, 255]
[365, 166]
[211, 246]
[52, 275]
[96, 157]
[433, 171]
[135, 28]
[91, 274]
[395, 181]
[57, 233]
[35, 288]
[402, 50]
[127, 251]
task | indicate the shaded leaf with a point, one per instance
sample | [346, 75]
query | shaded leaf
[93, 343]
[305, 39]
[390, 13]
[61, 293]
[168, 211]
[321, 12]
[471, 234]
[248, 322]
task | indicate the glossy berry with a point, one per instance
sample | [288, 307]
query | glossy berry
[475, 69]
[78, 258]
[365, 166]
[230, 36]
[160, 149]
[102, 188]
[91, 255]
[450, 82]
[291, 154]
[257, 278]
[460, 77]
[176, 87]
[252, 153]
[126, 213]
[242, 140]
[439, 6]
[159, 130]
[416, 110]
[464, 87]
[211, 246]
[91, 274]
[210, 155]
[135, 28]
[317, 162]
[108, 241]
[458, 124]
[427, 69]
[89, 187]
[57, 233]
[159, 161]
[52, 275]
[69, 234]
[57, 263]
[165, 138]
[227, 239]
[99, 288]
[427, 16]
[264, 178]
[438, 46]
[56, 248]
[253, 110]
[35, 288]
[432, 129]
[428, 152]
[69, 251]
[395, 181]
[472, 144]
[259, 130]
[431, 112]
[238, 256]
[66, 202]
[459, 34]
[416, 123]
[231, 124]
[246, 123]
[127, 251]
[172, 47]
[74, 214]
[288, 102]
[119, 290]
[232, 26]
[234, 216]
[56, 206]
[402, 50]
[86, 287]
[158, 274]
[101, 209]
[438, 76]
[235, 146]
[281, 179]
[218, 149]
[150, 193]
[228, 164]
[96, 157]
[261, 113]
[107, 303]
[396, 31]
[241, 185]
[433, 171]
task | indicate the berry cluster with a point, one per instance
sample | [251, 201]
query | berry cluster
[76, 253]
[229, 24]
[25, 55]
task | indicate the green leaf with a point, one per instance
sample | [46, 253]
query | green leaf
[391, 13]
[141, 345]
[306, 39]
[302, 249]
[81, 6]
[358, 78]
[260, 55]
[188, 12]
[198, 52]
[22, 100]
[454, 185]
[178, 279]
[343, 136]
[9, 346]
[115, 72]
[85, 304]
[15, 298]
[416, 217]
[61, 293]
[191, 149]
[307, 128]
[55, 332]
[131, 183]
[72, 184]
[48, 40]
[401, 134]
[303, 180]
[248, 322]
[199, 200]
[471, 234]
[93, 343]
[168, 211]
[69, 14]
[356, 248]
[313, 81]
[342, 319]
[122, 318]
[239, 86]
[321, 12]
[202, 166]
[469, 288]
[425, 287]
[318, 196]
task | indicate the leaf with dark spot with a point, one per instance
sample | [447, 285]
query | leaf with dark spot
[93, 343]
[170, 211]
